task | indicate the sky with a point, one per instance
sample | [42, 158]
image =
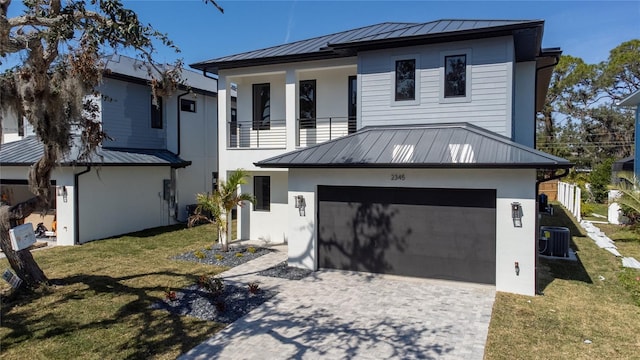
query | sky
[585, 29]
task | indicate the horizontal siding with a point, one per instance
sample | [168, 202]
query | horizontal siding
[126, 116]
[490, 87]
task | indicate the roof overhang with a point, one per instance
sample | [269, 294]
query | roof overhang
[433, 146]
[27, 151]
[631, 100]
[545, 63]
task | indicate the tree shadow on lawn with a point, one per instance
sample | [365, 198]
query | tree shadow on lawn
[151, 333]
[310, 330]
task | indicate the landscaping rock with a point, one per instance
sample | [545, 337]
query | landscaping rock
[227, 259]
[284, 271]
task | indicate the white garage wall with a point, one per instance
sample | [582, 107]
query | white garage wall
[512, 244]
[119, 200]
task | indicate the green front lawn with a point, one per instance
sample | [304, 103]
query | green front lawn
[100, 307]
[593, 299]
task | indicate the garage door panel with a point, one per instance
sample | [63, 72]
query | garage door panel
[454, 241]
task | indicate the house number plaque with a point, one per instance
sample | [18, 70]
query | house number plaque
[397, 177]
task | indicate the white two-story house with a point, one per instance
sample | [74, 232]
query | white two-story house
[145, 176]
[396, 148]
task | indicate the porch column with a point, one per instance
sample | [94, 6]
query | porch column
[223, 133]
[290, 108]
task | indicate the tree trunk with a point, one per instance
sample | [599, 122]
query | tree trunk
[224, 232]
[22, 261]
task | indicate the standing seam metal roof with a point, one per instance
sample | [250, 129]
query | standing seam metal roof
[27, 151]
[456, 145]
[382, 31]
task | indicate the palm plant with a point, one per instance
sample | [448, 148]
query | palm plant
[216, 207]
[629, 188]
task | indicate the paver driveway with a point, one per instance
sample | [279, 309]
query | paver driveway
[340, 315]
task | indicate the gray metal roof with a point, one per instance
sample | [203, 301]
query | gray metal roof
[27, 151]
[457, 145]
[392, 34]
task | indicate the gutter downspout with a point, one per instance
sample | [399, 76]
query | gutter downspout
[538, 291]
[535, 138]
[179, 125]
[76, 205]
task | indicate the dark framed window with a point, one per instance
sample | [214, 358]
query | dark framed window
[405, 80]
[455, 76]
[307, 105]
[261, 106]
[352, 110]
[20, 126]
[234, 122]
[262, 193]
[156, 113]
[187, 105]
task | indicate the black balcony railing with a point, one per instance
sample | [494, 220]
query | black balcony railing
[273, 134]
[318, 130]
[247, 134]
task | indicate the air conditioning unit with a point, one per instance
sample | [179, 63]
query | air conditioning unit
[554, 241]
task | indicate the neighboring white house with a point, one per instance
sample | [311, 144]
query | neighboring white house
[395, 148]
[145, 177]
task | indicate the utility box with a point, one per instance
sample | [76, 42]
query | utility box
[22, 236]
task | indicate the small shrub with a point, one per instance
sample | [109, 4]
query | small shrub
[252, 249]
[203, 281]
[586, 209]
[254, 288]
[215, 286]
[239, 255]
[219, 257]
[170, 295]
[209, 248]
[199, 254]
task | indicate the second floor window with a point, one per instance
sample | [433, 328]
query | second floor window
[455, 76]
[156, 113]
[261, 106]
[307, 104]
[405, 80]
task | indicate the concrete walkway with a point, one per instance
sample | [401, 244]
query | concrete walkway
[344, 315]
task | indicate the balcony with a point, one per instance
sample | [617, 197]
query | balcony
[273, 133]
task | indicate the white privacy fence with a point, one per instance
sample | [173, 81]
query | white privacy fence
[569, 196]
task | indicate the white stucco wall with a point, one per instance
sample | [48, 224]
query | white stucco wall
[268, 226]
[512, 244]
[119, 200]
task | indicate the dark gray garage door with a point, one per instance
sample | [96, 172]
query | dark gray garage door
[432, 233]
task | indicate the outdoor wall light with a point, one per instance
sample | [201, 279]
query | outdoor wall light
[516, 214]
[62, 191]
[300, 204]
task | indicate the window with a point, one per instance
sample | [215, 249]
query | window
[455, 76]
[156, 113]
[262, 193]
[353, 104]
[405, 80]
[261, 107]
[187, 105]
[20, 126]
[234, 122]
[307, 106]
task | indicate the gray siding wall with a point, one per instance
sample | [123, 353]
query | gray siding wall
[126, 116]
[490, 103]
